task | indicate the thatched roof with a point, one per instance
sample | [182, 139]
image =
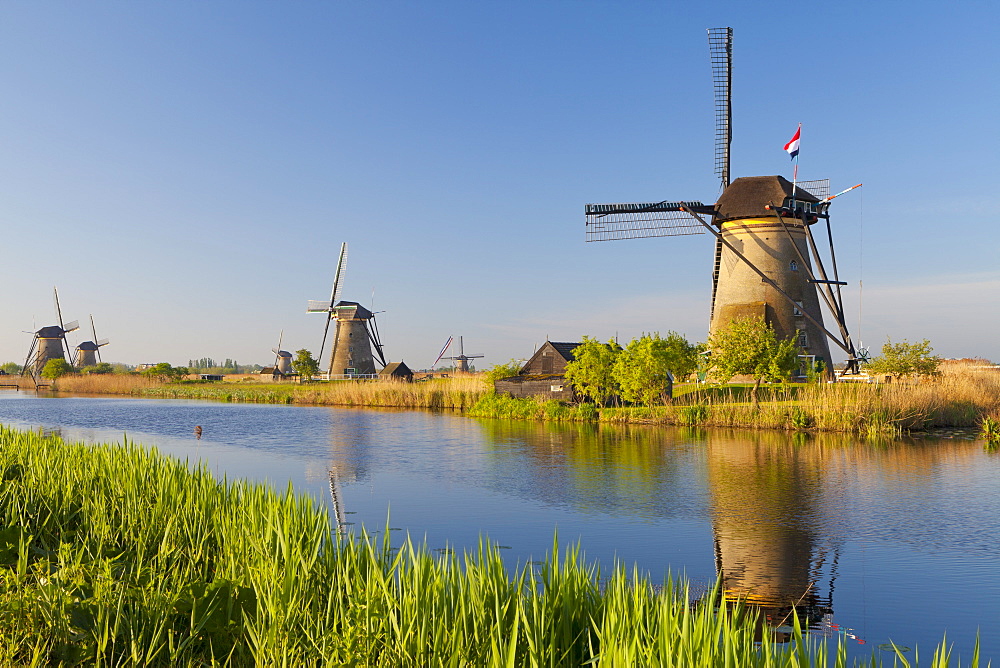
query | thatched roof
[747, 197]
[343, 309]
[50, 332]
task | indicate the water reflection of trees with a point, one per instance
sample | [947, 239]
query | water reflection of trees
[616, 470]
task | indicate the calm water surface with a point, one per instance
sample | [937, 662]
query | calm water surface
[897, 541]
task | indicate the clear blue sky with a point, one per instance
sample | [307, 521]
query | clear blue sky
[186, 171]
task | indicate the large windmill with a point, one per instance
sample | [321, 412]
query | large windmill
[88, 353]
[356, 335]
[461, 359]
[49, 342]
[764, 245]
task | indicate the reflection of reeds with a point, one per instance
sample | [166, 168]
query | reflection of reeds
[117, 555]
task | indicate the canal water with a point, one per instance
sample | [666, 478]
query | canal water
[877, 542]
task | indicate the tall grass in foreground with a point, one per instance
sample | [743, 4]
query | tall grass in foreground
[116, 555]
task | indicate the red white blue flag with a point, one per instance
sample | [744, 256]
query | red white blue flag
[792, 147]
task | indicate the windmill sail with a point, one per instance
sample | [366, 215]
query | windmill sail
[613, 222]
[720, 48]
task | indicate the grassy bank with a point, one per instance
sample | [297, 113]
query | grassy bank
[116, 555]
[964, 396]
[961, 397]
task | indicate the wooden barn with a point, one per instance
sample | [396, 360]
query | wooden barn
[396, 371]
[542, 375]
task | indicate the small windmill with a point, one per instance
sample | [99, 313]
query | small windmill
[763, 237]
[461, 359]
[88, 353]
[282, 358]
[356, 335]
[49, 342]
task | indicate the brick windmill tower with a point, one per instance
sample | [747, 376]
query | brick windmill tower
[356, 343]
[767, 261]
[88, 353]
[49, 343]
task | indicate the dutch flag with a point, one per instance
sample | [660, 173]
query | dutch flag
[792, 147]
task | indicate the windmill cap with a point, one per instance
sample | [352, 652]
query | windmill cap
[344, 309]
[749, 197]
[87, 345]
[284, 353]
[50, 332]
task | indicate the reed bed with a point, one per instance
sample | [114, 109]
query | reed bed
[107, 383]
[117, 555]
[458, 392]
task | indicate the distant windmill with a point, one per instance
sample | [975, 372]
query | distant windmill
[49, 342]
[461, 359]
[88, 353]
[356, 335]
[762, 226]
[282, 358]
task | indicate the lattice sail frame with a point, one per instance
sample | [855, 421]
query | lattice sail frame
[820, 188]
[613, 222]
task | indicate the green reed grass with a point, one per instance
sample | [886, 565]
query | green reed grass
[989, 429]
[116, 555]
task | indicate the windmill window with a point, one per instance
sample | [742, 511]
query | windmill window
[797, 309]
[793, 265]
[350, 349]
[803, 339]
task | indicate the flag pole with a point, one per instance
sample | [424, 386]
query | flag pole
[795, 170]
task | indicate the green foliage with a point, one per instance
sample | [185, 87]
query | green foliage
[749, 347]
[12, 368]
[165, 372]
[799, 418]
[643, 369]
[591, 371]
[99, 368]
[588, 412]
[56, 367]
[501, 371]
[693, 415]
[304, 364]
[989, 429]
[230, 366]
[905, 359]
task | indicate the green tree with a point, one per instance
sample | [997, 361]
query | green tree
[99, 368]
[304, 364]
[591, 371]
[165, 372]
[56, 367]
[684, 356]
[749, 347]
[12, 368]
[905, 359]
[644, 368]
[501, 371]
